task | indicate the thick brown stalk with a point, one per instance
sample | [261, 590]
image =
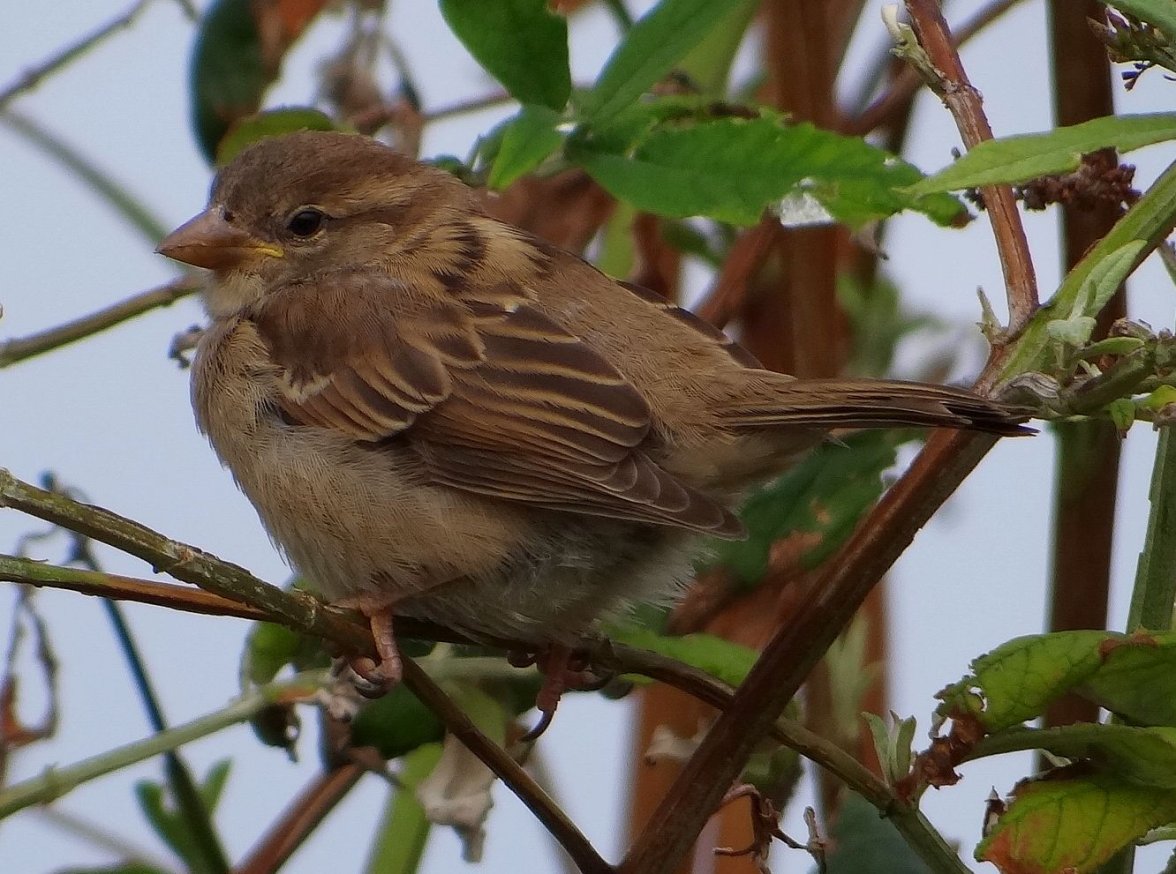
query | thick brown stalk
[790, 318]
[846, 580]
[1087, 470]
[851, 574]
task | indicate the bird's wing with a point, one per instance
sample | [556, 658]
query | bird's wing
[494, 396]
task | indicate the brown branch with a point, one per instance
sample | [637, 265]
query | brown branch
[20, 348]
[316, 801]
[612, 657]
[701, 685]
[846, 580]
[878, 541]
[907, 82]
[119, 588]
[300, 819]
[301, 613]
[1087, 467]
[507, 770]
[30, 78]
[965, 104]
[190, 600]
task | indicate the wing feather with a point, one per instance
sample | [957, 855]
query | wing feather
[495, 397]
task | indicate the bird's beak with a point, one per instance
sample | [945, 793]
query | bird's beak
[209, 240]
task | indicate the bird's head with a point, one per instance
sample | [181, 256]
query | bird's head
[292, 206]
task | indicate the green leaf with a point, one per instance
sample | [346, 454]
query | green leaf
[720, 658]
[271, 123]
[1160, 398]
[227, 78]
[166, 823]
[689, 240]
[862, 842]
[1076, 824]
[521, 43]
[1021, 158]
[1145, 756]
[878, 320]
[892, 744]
[1137, 679]
[1133, 676]
[1073, 332]
[404, 829]
[1017, 680]
[732, 169]
[708, 64]
[214, 784]
[1149, 220]
[650, 49]
[816, 504]
[171, 824]
[527, 140]
[268, 648]
[1121, 413]
[1105, 277]
[774, 772]
[396, 724]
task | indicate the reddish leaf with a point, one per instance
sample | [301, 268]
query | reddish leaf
[1073, 822]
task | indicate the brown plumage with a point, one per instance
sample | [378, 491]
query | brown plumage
[440, 415]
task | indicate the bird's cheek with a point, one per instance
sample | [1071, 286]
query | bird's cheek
[230, 291]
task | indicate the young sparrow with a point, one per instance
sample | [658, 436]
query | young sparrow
[438, 415]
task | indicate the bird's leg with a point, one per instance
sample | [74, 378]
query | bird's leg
[563, 668]
[382, 675]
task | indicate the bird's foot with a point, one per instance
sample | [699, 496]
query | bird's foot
[563, 669]
[373, 677]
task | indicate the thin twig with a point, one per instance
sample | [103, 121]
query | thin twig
[185, 563]
[613, 657]
[55, 782]
[965, 104]
[82, 169]
[35, 573]
[907, 82]
[20, 348]
[507, 770]
[462, 107]
[726, 295]
[301, 613]
[14, 569]
[190, 804]
[31, 77]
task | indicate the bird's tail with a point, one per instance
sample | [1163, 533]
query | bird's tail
[870, 403]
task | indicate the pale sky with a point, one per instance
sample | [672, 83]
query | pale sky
[111, 417]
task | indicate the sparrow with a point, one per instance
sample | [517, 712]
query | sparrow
[441, 416]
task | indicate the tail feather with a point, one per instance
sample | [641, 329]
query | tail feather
[862, 403]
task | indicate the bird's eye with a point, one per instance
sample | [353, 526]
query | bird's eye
[305, 222]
